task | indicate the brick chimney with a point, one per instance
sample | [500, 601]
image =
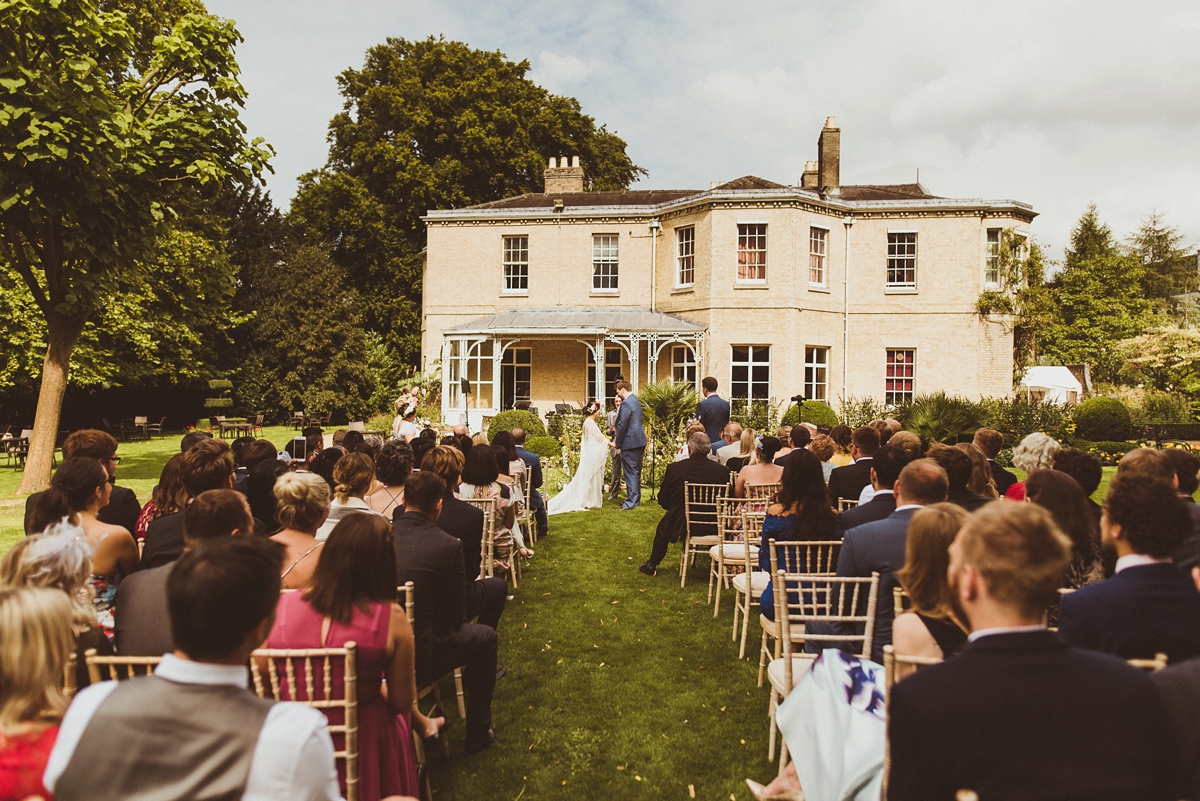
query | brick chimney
[829, 146]
[564, 179]
[809, 179]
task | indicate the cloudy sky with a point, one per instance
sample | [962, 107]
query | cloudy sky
[1054, 103]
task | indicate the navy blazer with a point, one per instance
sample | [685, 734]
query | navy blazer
[629, 434]
[1179, 688]
[533, 464]
[879, 507]
[1135, 614]
[713, 414]
[848, 481]
[1024, 716]
[1002, 477]
[433, 561]
[876, 547]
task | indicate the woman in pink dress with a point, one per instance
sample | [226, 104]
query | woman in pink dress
[353, 600]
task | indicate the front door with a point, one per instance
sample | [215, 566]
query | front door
[516, 371]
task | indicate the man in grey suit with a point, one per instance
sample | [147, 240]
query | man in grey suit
[879, 547]
[630, 439]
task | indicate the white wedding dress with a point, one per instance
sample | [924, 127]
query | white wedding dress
[586, 490]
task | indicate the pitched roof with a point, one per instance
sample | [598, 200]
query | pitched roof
[629, 197]
[750, 182]
[883, 192]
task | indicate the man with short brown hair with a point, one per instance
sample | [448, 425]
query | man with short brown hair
[1019, 713]
[207, 465]
[847, 482]
[90, 443]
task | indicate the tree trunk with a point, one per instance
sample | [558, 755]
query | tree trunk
[62, 333]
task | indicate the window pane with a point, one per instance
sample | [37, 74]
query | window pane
[817, 243]
[516, 263]
[604, 262]
[752, 252]
[816, 373]
[899, 373]
[902, 260]
[685, 255]
[750, 372]
[991, 272]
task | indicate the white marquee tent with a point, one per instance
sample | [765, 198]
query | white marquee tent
[1053, 384]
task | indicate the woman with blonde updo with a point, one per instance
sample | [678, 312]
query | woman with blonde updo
[35, 641]
[301, 505]
[60, 559]
[353, 478]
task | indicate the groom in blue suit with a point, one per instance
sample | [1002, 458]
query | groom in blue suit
[630, 441]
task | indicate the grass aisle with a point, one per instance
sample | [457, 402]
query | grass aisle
[619, 685]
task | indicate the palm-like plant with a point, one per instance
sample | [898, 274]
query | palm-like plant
[666, 406]
[941, 418]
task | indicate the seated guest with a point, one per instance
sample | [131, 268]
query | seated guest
[1019, 714]
[507, 477]
[696, 469]
[353, 476]
[909, 443]
[842, 436]
[392, 469]
[78, 491]
[353, 599]
[123, 507]
[847, 482]
[880, 547]
[799, 438]
[991, 442]
[339, 439]
[480, 479]
[513, 459]
[303, 452]
[483, 597]
[929, 628]
[1149, 606]
[885, 471]
[1036, 452]
[693, 427]
[168, 497]
[61, 560]
[260, 492]
[762, 467]
[784, 435]
[35, 641]
[982, 481]
[192, 438]
[255, 452]
[352, 441]
[207, 465]
[822, 447]
[885, 430]
[747, 445]
[433, 561]
[1178, 687]
[236, 449]
[301, 504]
[731, 437]
[958, 469]
[1060, 495]
[421, 446]
[533, 469]
[800, 512]
[1087, 472]
[143, 627]
[1148, 462]
[323, 464]
[224, 741]
[1187, 482]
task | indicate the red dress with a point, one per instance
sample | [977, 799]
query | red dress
[22, 763]
[387, 764]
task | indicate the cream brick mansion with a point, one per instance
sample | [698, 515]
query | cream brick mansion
[818, 289]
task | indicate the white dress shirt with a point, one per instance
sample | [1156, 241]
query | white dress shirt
[1137, 560]
[293, 760]
[975, 635]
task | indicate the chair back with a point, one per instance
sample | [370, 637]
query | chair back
[139, 421]
[892, 661]
[846, 503]
[899, 596]
[488, 507]
[406, 593]
[26, 433]
[358, 425]
[810, 557]
[826, 599]
[309, 676]
[70, 685]
[730, 517]
[1157, 663]
[118, 668]
[763, 490]
[700, 505]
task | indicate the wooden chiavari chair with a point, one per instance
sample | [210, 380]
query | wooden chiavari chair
[70, 684]
[817, 558]
[300, 669]
[845, 503]
[899, 596]
[749, 585]
[525, 515]
[408, 595]
[700, 514]
[119, 668]
[488, 543]
[892, 661]
[729, 554]
[1157, 663]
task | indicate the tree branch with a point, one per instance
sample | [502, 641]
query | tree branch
[16, 257]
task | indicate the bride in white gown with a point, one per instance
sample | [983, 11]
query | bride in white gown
[586, 490]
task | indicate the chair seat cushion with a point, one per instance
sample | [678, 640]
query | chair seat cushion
[696, 543]
[734, 552]
[800, 666]
[758, 582]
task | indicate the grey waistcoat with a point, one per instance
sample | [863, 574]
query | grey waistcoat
[157, 740]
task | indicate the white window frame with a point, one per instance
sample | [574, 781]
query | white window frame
[744, 236]
[683, 365]
[606, 265]
[893, 396]
[818, 258]
[516, 264]
[750, 364]
[991, 258]
[895, 257]
[685, 256]
[816, 368]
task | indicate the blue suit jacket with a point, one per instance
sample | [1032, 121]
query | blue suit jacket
[878, 508]
[1135, 614]
[876, 547]
[629, 432]
[713, 414]
[534, 463]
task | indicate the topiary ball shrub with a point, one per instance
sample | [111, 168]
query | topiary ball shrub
[1102, 419]
[816, 412]
[545, 447]
[516, 418]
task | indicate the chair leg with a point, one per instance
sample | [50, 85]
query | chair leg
[458, 693]
[746, 626]
[737, 608]
[683, 562]
[762, 659]
[771, 738]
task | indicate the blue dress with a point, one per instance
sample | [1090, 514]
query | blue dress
[781, 528]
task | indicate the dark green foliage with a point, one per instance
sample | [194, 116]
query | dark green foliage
[1099, 419]
[857, 412]
[1159, 408]
[1185, 431]
[939, 417]
[516, 418]
[816, 412]
[428, 125]
[1017, 417]
[1169, 268]
[545, 447]
[1023, 304]
[1109, 453]
[761, 415]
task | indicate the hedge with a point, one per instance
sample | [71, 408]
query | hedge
[1174, 431]
[1102, 419]
[545, 447]
[816, 412]
[516, 418]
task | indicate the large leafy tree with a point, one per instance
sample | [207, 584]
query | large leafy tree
[1168, 267]
[92, 149]
[434, 124]
[1023, 303]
